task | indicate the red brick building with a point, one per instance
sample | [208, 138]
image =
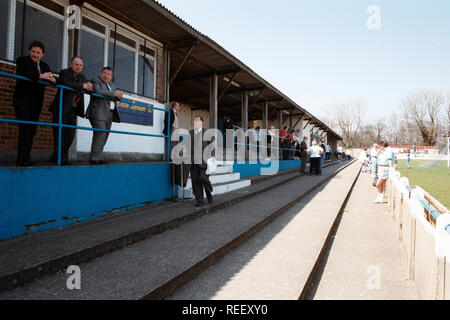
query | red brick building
[157, 58]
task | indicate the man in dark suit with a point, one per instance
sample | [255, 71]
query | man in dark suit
[175, 107]
[102, 112]
[28, 97]
[72, 105]
[200, 180]
[303, 154]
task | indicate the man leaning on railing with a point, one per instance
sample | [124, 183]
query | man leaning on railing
[72, 106]
[29, 96]
[102, 112]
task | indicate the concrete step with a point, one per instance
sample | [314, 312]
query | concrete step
[272, 265]
[222, 170]
[218, 178]
[39, 254]
[156, 267]
[218, 188]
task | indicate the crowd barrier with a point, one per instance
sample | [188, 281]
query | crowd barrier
[424, 229]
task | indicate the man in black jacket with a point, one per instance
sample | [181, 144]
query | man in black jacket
[175, 107]
[72, 105]
[199, 178]
[28, 97]
[303, 154]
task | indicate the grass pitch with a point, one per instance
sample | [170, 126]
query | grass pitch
[432, 176]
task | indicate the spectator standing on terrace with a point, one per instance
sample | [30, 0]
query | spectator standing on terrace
[327, 152]
[72, 106]
[200, 180]
[385, 161]
[373, 159]
[173, 125]
[271, 136]
[363, 160]
[303, 154]
[292, 140]
[28, 97]
[284, 143]
[340, 152]
[315, 153]
[102, 112]
[322, 157]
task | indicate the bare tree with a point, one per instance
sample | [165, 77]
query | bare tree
[380, 127]
[447, 111]
[422, 109]
[346, 118]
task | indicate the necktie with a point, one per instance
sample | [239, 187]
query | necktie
[78, 94]
[38, 67]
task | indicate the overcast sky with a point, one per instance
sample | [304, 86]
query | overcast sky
[322, 52]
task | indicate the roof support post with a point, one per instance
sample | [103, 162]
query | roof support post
[244, 110]
[213, 104]
[280, 118]
[265, 118]
[167, 76]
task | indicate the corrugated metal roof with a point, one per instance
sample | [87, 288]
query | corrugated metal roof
[173, 28]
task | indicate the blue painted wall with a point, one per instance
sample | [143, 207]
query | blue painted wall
[248, 169]
[34, 199]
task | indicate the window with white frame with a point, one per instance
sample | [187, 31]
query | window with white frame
[106, 43]
[4, 17]
[24, 21]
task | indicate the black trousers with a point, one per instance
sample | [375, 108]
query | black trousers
[67, 135]
[314, 166]
[200, 181]
[26, 133]
[303, 164]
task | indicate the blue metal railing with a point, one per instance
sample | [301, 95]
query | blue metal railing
[61, 125]
[426, 206]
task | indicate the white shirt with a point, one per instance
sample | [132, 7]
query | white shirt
[175, 121]
[362, 156]
[340, 149]
[315, 151]
[385, 156]
[373, 152]
[112, 104]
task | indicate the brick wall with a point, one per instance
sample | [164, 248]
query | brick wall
[160, 72]
[44, 137]
[9, 131]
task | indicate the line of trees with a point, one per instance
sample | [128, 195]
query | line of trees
[423, 118]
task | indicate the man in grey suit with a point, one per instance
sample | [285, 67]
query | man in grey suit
[102, 112]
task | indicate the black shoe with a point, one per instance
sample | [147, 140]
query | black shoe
[210, 199]
[199, 203]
